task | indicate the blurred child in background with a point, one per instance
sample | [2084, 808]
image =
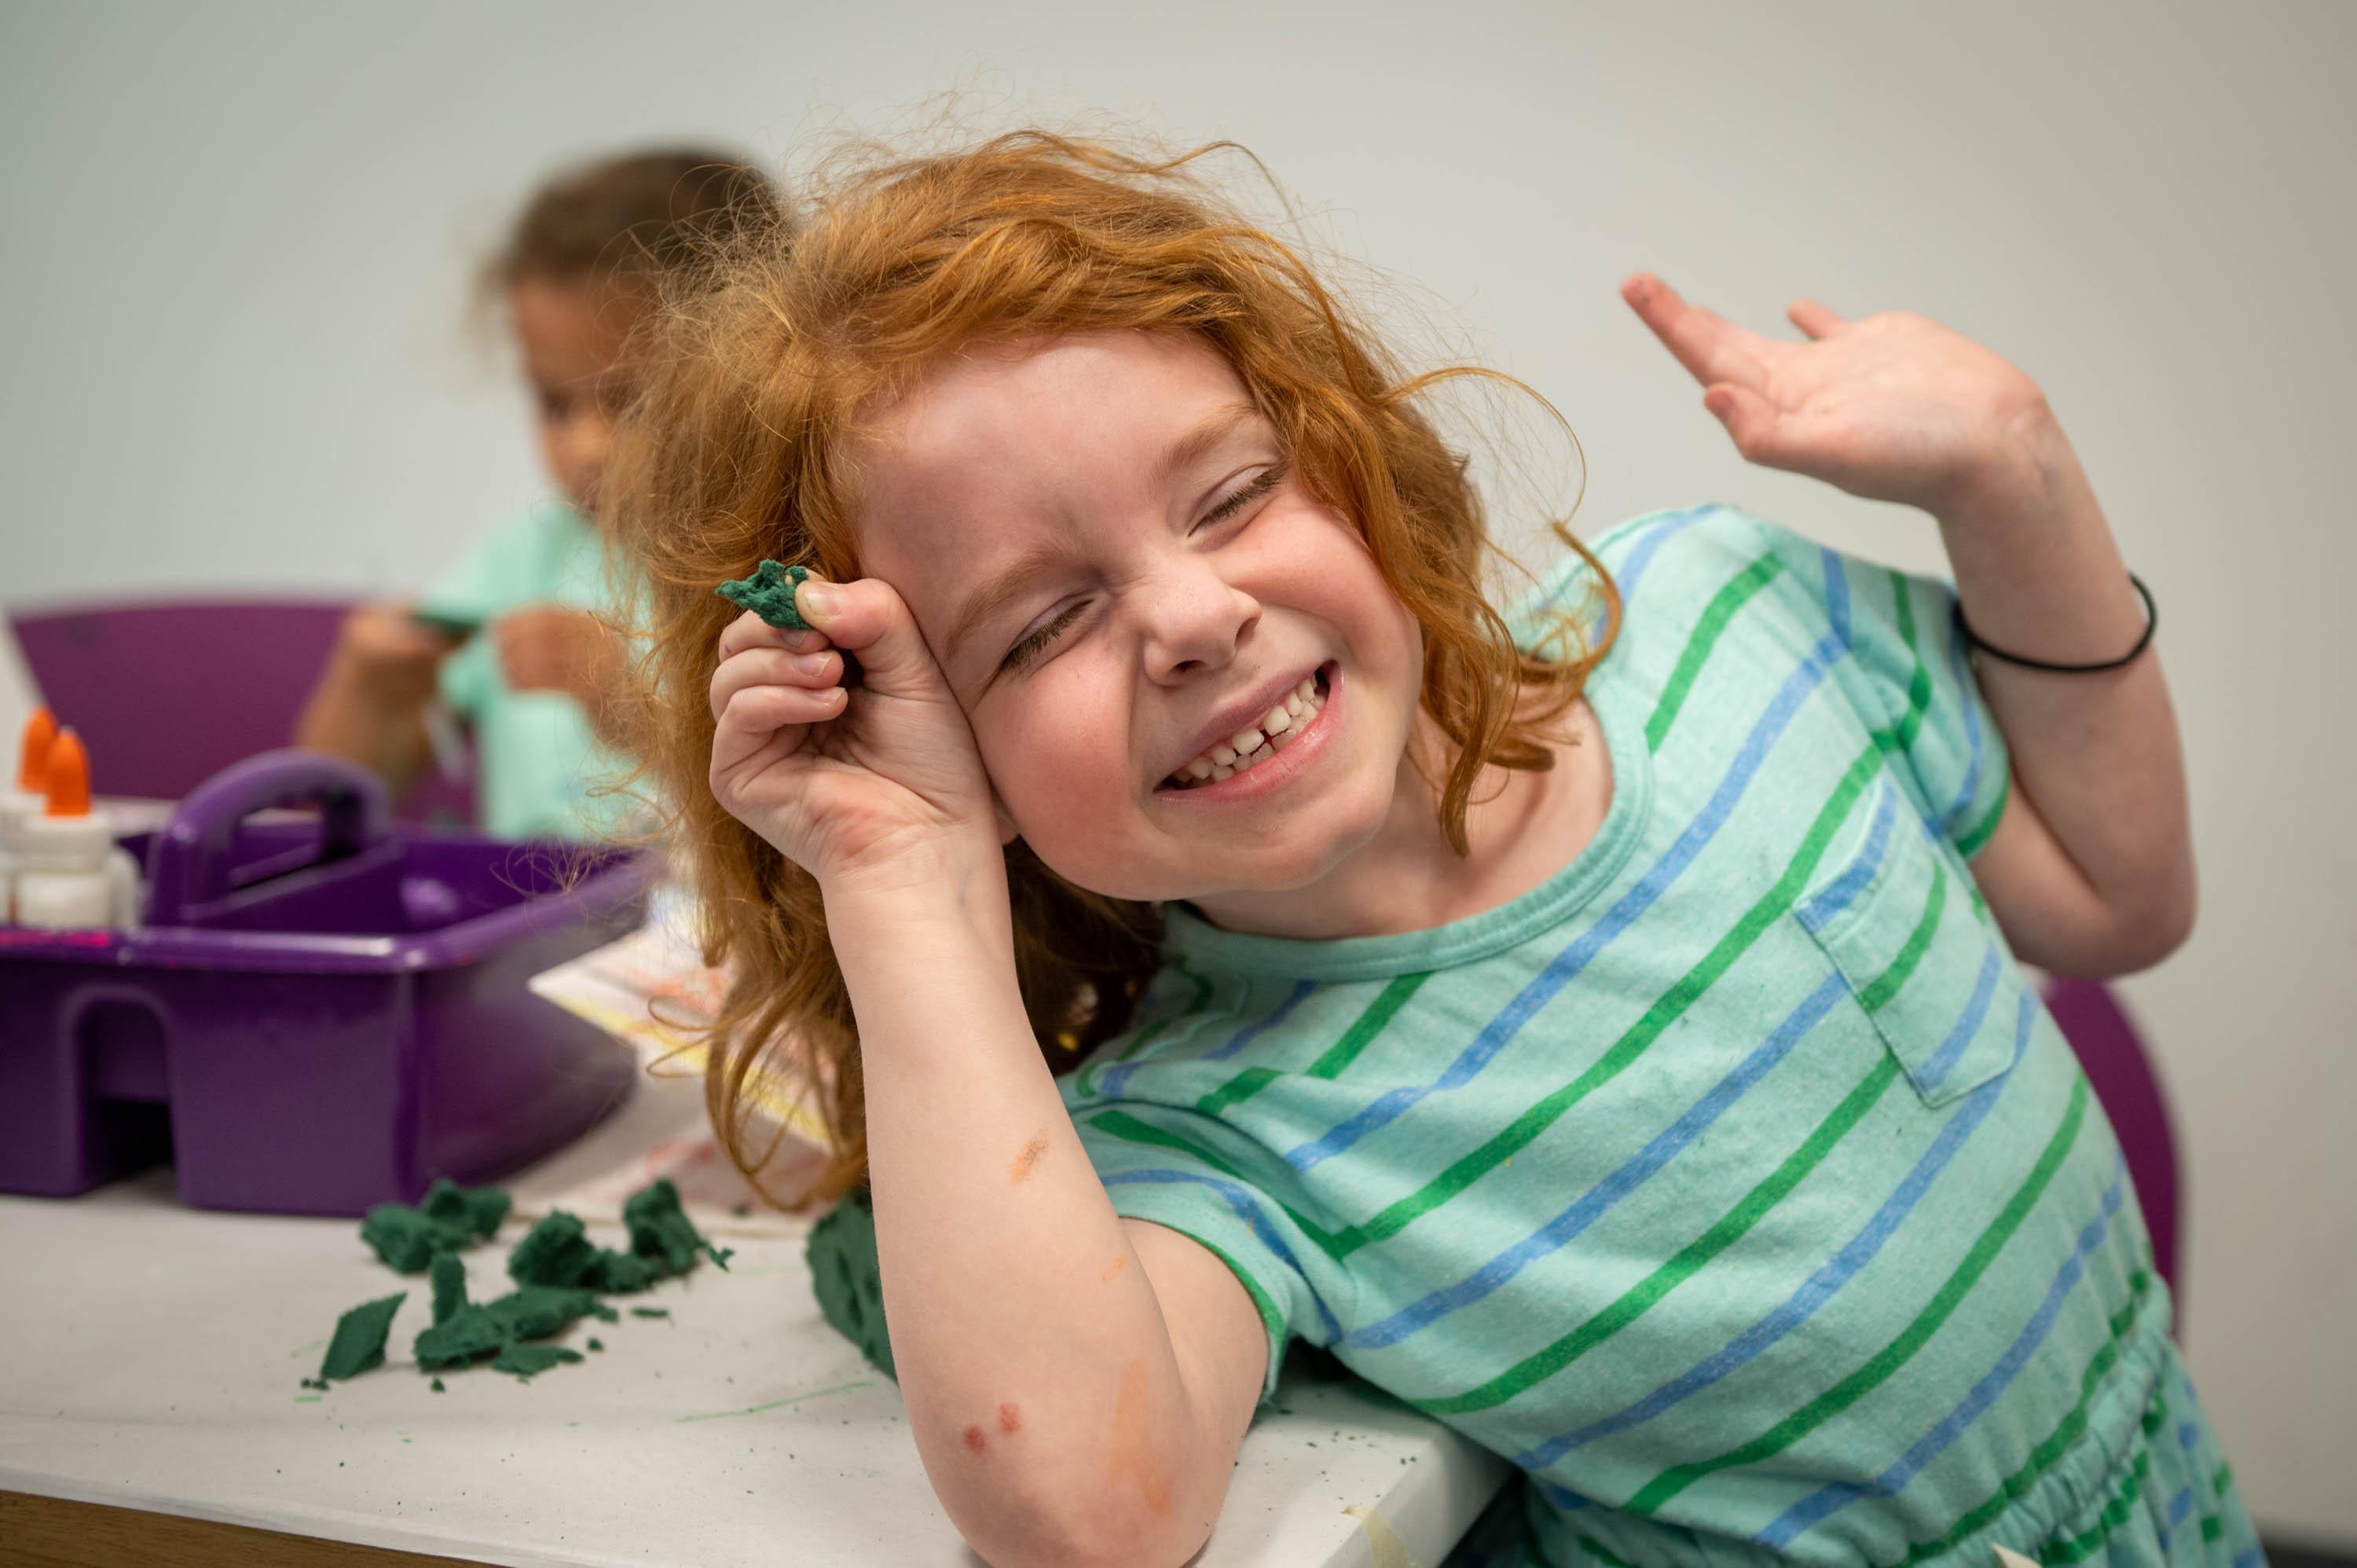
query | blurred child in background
[509, 641]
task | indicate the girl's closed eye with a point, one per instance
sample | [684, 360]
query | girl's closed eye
[1024, 654]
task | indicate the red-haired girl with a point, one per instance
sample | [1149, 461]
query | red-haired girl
[1596, 1020]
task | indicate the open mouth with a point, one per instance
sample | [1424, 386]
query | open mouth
[1301, 709]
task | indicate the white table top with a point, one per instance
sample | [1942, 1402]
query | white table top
[150, 1354]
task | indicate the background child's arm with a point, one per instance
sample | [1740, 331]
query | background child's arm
[1078, 1384]
[2090, 868]
[369, 703]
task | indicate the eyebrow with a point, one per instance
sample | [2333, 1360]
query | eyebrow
[1017, 575]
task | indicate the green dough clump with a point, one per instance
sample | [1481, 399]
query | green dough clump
[650, 1312]
[524, 1361]
[554, 1253]
[437, 1386]
[449, 1276]
[536, 1312]
[595, 1343]
[471, 1331]
[770, 593]
[848, 1279]
[660, 1229]
[359, 1342]
[451, 1216]
[481, 1209]
[623, 1273]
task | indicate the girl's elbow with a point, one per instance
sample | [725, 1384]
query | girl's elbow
[1047, 1526]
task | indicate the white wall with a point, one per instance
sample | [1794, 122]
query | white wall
[237, 236]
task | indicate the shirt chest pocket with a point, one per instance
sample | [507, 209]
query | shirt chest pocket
[1898, 918]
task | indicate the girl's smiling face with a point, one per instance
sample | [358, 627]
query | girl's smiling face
[1108, 552]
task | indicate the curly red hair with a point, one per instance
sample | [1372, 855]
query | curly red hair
[758, 375]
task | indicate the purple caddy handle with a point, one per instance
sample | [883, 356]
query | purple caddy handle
[188, 863]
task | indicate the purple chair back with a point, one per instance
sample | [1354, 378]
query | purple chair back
[2121, 1072]
[169, 692]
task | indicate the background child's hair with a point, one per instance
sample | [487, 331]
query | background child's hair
[632, 219]
[756, 389]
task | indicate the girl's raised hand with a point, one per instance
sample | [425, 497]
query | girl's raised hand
[881, 788]
[1894, 407]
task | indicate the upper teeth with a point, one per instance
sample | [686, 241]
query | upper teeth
[1245, 748]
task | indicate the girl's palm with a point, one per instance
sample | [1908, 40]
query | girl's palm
[1894, 407]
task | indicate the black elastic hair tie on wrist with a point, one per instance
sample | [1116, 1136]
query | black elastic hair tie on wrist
[2151, 624]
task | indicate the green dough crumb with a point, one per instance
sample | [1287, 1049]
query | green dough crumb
[479, 1210]
[525, 1360]
[848, 1279]
[451, 1216]
[449, 1277]
[437, 1386]
[660, 1229]
[596, 1344]
[770, 593]
[359, 1342]
[650, 1312]
[554, 1253]
[622, 1274]
[536, 1312]
[740, 1209]
[472, 1331]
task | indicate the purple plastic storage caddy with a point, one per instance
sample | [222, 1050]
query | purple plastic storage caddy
[317, 1016]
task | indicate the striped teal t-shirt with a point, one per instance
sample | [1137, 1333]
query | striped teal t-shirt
[1733, 1182]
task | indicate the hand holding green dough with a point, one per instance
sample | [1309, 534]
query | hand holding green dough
[770, 593]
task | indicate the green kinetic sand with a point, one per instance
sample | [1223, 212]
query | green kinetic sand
[848, 1279]
[359, 1342]
[770, 593]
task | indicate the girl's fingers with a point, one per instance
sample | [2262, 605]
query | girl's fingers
[1710, 347]
[773, 667]
[1814, 318]
[750, 632]
[752, 718]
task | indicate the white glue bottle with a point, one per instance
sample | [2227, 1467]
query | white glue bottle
[69, 875]
[25, 799]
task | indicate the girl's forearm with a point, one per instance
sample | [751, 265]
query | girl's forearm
[2098, 755]
[1039, 1378]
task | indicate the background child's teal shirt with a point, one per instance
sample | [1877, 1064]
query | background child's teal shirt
[538, 761]
[1733, 1182]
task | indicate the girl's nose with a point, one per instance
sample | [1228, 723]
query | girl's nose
[1194, 618]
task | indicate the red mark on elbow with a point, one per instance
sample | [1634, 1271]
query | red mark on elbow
[975, 1441]
[1110, 1269]
[1028, 1157]
[1010, 1418]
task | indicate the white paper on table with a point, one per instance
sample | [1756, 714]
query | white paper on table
[652, 989]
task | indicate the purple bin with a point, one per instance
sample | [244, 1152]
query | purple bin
[317, 1014]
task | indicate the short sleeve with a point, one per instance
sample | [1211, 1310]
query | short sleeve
[1906, 669]
[1199, 1177]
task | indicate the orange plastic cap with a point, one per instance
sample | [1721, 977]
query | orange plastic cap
[69, 777]
[33, 757]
